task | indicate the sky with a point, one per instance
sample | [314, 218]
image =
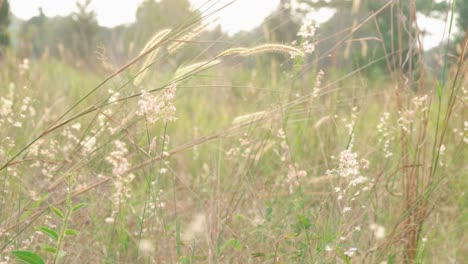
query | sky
[123, 11]
[241, 15]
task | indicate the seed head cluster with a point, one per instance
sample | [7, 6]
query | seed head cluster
[160, 107]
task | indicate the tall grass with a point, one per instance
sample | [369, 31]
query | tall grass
[182, 165]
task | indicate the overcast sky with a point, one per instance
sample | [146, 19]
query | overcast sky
[241, 15]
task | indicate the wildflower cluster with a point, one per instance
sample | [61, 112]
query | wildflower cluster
[294, 174]
[165, 154]
[243, 149]
[408, 116]
[23, 67]
[307, 32]
[353, 184]
[385, 134]
[351, 124]
[120, 167]
[155, 108]
[283, 152]
[13, 110]
[318, 84]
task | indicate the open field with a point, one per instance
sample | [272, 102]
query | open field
[258, 154]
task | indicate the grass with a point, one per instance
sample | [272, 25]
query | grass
[299, 179]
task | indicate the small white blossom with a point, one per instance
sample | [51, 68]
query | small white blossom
[379, 231]
[350, 252]
[158, 107]
[307, 30]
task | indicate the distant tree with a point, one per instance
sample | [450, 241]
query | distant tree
[279, 27]
[462, 10]
[153, 16]
[85, 28]
[4, 23]
[462, 22]
[394, 23]
[34, 36]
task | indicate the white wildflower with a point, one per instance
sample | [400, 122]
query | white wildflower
[24, 66]
[379, 231]
[350, 252]
[308, 47]
[307, 30]
[88, 145]
[158, 107]
[146, 247]
[318, 84]
[76, 126]
[196, 228]
[6, 106]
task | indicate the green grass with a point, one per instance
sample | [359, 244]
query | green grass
[231, 193]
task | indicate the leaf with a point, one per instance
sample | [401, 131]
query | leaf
[178, 242]
[269, 213]
[237, 245]
[439, 90]
[184, 260]
[50, 249]
[239, 217]
[78, 207]
[35, 205]
[258, 255]
[25, 215]
[57, 211]
[232, 242]
[71, 232]
[49, 232]
[27, 257]
[304, 221]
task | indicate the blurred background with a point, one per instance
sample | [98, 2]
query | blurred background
[75, 32]
[344, 142]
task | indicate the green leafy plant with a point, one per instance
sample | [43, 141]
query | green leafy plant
[58, 236]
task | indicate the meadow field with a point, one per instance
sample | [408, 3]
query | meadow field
[253, 153]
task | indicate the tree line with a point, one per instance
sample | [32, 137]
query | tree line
[78, 38]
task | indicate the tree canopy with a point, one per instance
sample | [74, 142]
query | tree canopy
[4, 23]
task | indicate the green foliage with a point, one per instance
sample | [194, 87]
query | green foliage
[254, 205]
[78, 207]
[462, 18]
[394, 23]
[4, 23]
[85, 28]
[153, 16]
[234, 243]
[462, 21]
[49, 232]
[35, 35]
[58, 235]
[77, 38]
[27, 257]
[57, 212]
[71, 37]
